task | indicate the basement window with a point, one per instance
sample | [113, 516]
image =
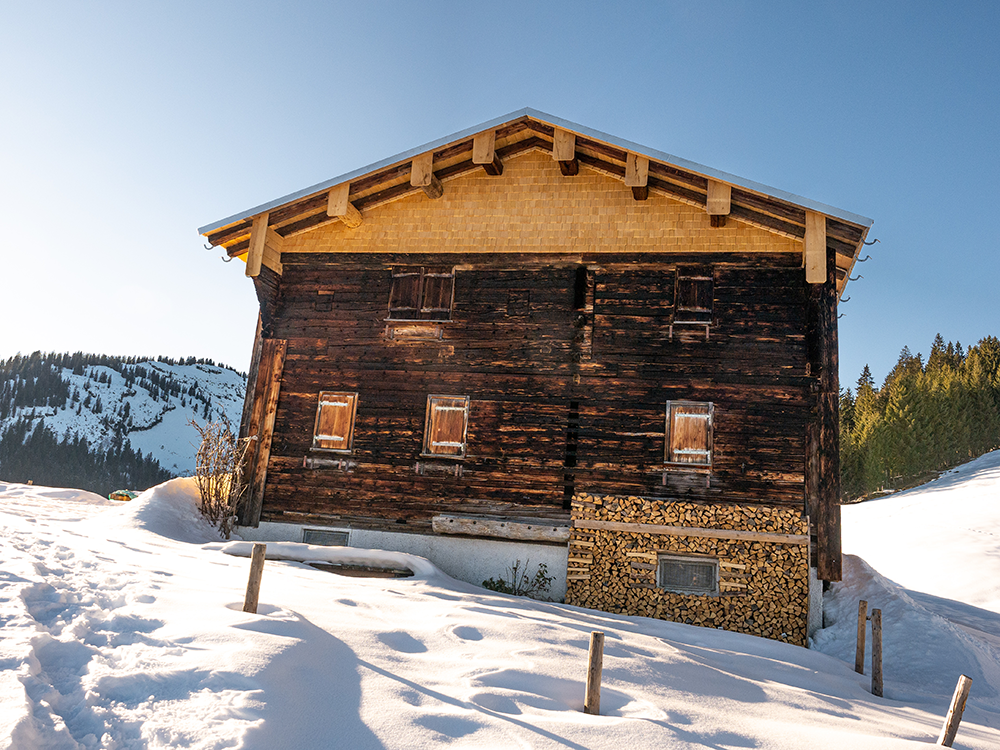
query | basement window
[688, 442]
[688, 575]
[446, 426]
[326, 537]
[421, 294]
[334, 428]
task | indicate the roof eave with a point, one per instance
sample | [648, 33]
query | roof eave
[558, 122]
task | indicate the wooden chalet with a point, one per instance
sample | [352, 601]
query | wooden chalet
[531, 340]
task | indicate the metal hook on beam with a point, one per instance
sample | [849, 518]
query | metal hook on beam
[855, 278]
[872, 242]
[845, 299]
[862, 260]
[209, 247]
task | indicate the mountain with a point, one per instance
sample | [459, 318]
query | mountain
[111, 422]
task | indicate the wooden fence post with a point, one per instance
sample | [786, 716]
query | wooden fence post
[859, 654]
[954, 717]
[595, 661]
[877, 652]
[256, 572]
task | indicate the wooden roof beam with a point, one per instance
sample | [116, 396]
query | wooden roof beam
[339, 206]
[637, 175]
[484, 153]
[719, 202]
[564, 152]
[422, 176]
[258, 236]
[814, 253]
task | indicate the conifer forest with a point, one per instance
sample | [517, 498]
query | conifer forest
[925, 418]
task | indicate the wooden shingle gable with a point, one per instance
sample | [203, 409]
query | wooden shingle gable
[429, 171]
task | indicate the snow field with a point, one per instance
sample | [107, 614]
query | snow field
[123, 628]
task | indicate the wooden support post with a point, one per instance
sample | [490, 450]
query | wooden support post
[422, 176]
[564, 152]
[484, 153]
[258, 236]
[339, 205]
[859, 653]
[253, 584]
[955, 711]
[637, 175]
[877, 652]
[595, 663]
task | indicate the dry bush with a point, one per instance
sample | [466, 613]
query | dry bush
[219, 473]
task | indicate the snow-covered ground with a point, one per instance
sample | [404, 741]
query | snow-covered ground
[123, 628]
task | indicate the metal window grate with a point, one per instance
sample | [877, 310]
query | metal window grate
[325, 537]
[689, 576]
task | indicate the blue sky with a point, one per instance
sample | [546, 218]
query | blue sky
[126, 126]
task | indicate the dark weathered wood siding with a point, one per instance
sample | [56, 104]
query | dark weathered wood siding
[568, 360]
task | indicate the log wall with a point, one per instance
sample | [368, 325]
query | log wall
[568, 362]
[763, 584]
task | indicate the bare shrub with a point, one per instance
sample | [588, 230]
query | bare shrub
[519, 582]
[219, 473]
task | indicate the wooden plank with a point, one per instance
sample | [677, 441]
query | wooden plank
[273, 361]
[339, 206]
[815, 248]
[500, 528]
[258, 236]
[859, 646]
[649, 528]
[719, 198]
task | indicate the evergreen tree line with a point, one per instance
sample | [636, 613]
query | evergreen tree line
[925, 418]
[39, 456]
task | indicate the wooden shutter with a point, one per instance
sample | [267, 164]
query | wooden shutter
[438, 290]
[446, 427]
[405, 295]
[334, 430]
[695, 293]
[689, 433]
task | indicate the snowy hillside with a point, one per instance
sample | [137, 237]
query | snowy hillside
[146, 403]
[123, 629]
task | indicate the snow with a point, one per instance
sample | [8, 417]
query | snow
[123, 628]
[159, 426]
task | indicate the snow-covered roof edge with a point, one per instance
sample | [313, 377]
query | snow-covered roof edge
[565, 125]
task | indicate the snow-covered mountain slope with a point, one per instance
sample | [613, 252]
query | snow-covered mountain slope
[148, 403]
[123, 629]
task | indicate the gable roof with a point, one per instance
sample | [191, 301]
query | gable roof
[528, 129]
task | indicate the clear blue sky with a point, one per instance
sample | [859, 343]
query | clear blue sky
[126, 126]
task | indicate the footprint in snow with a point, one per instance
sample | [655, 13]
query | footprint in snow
[402, 642]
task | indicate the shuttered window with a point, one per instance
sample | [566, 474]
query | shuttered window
[693, 298]
[334, 430]
[446, 426]
[419, 293]
[689, 433]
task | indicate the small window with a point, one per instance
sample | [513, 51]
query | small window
[688, 575]
[326, 537]
[421, 293]
[693, 297]
[446, 426]
[334, 429]
[689, 434]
